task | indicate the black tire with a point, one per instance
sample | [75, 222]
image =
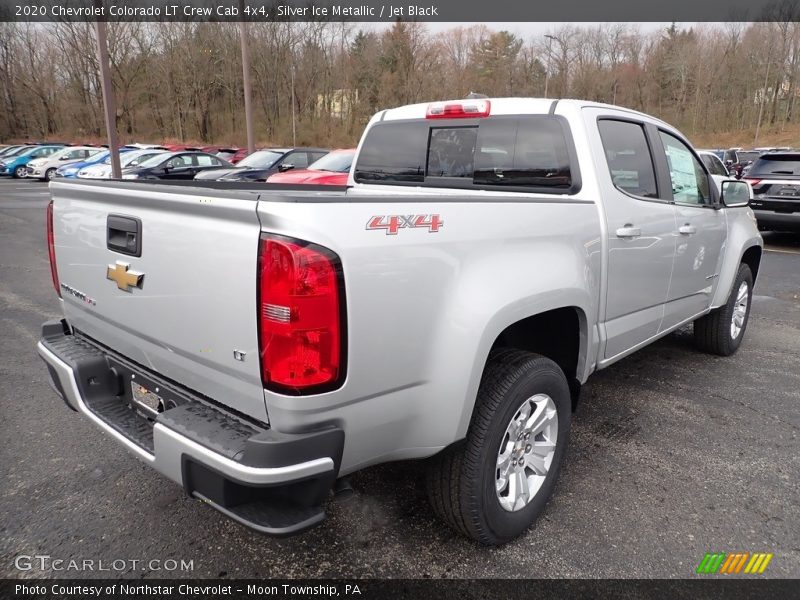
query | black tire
[19, 172]
[712, 333]
[461, 480]
[49, 174]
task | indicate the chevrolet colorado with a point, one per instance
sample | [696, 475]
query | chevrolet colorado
[257, 344]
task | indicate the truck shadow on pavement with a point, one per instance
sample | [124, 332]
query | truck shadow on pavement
[393, 496]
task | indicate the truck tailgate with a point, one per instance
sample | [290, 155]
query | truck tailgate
[191, 316]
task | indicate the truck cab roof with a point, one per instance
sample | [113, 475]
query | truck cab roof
[505, 106]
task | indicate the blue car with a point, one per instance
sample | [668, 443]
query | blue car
[70, 171]
[16, 165]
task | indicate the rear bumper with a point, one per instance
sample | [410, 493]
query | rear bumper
[272, 482]
[768, 219]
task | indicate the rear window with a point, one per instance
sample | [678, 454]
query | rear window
[514, 153]
[745, 157]
[777, 164]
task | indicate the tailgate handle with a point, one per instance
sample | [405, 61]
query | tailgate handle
[124, 235]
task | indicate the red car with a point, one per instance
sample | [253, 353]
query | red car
[180, 148]
[331, 169]
[232, 155]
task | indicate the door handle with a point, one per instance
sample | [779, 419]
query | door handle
[628, 232]
[124, 234]
[687, 229]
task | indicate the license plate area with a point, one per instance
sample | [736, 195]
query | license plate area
[144, 394]
[147, 400]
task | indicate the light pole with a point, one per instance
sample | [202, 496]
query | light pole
[107, 86]
[294, 118]
[550, 39]
[246, 84]
[763, 96]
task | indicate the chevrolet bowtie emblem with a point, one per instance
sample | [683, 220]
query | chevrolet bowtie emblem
[124, 278]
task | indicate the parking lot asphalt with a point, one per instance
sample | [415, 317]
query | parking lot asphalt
[673, 454]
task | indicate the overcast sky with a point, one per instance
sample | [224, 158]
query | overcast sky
[523, 30]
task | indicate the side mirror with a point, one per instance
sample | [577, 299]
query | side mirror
[735, 193]
[286, 167]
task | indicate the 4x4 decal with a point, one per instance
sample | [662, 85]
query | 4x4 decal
[394, 223]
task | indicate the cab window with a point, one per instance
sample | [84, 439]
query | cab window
[628, 157]
[525, 153]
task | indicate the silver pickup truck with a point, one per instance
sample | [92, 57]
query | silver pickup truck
[258, 344]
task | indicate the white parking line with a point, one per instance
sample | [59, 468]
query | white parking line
[28, 193]
[782, 251]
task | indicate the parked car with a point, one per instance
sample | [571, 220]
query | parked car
[16, 165]
[181, 148]
[232, 155]
[138, 146]
[737, 160]
[775, 178]
[45, 168]
[713, 163]
[261, 164]
[331, 169]
[487, 258]
[718, 152]
[71, 171]
[175, 165]
[11, 150]
[128, 159]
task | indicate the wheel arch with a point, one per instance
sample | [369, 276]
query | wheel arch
[740, 250]
[560, 333]
[752, 258]
[556, 334]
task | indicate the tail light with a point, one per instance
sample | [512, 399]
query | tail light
[752, 181]
[459, 110]
[51, 248]
[301, 318]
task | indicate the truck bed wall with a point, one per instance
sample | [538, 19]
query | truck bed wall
[424, 308]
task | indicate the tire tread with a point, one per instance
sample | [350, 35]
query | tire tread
[712, 331]
[449, 472]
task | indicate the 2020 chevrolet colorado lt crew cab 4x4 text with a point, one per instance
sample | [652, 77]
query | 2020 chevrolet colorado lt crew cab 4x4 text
[256, 344]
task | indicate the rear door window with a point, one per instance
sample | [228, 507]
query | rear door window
[526, 153]
[628, 156]
[204, 160]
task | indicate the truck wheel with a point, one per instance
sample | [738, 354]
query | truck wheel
[494, 484]
[721, 331]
